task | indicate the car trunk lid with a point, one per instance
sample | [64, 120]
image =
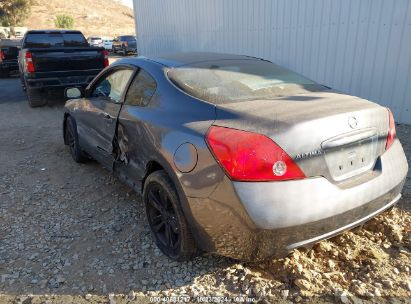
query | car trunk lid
[327, 133]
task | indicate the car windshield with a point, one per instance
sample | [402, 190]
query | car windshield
[45, 40]
[226, 81]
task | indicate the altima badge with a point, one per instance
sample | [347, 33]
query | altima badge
[353, 122]
[309, 154]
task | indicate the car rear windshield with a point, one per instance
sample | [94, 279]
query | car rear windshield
[45, 40]
[128, 38]
[226, 81]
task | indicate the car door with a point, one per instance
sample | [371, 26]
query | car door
[103, 104]
[134, 138]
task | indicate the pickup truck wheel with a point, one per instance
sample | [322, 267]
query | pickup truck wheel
[35, 99]
[166, 218]
[71, 139]
[23, 83]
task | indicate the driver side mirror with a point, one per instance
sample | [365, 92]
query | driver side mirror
[72, 93]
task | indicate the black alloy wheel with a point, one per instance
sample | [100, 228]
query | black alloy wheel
[71, 139]
[162, 218]
[166, 218]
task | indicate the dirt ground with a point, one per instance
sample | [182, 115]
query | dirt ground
[92, 18]
[73, 233]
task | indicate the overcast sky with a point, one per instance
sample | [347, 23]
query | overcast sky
[128, 3]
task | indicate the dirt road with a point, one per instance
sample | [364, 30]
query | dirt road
[76, 232]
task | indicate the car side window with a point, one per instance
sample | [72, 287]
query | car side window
[141, 90]
[113, 85]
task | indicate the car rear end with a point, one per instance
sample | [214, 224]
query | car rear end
[312, 177]
[108, 44]
[303, 164]
[8, 57]
[52, 61]
[129, 44]
[95, 41]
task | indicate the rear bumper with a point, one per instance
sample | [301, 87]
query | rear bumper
[254, 221]
[9, 66]
[59, 82]
[372, 209]
[299, 202]
[125, 49]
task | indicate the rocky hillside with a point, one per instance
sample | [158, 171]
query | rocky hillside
[92, 17]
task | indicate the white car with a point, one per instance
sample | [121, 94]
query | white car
[95, 41]
[19, 31]
[108, 44]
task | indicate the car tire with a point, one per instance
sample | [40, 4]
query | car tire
[23, 83]
[166, 219]
[35, 98]
[71, 140]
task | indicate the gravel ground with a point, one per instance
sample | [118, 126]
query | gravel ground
[72, 233]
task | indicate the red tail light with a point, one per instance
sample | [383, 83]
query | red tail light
[248, 156]
[106, 62]
[2, 55]
[392, 133]
[29, 63]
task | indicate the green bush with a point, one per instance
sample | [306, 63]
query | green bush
[64, 21]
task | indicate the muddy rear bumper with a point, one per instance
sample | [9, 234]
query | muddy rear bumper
[254, 221]
[280, 241]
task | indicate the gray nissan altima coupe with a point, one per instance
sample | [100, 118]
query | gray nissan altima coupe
[236, 155]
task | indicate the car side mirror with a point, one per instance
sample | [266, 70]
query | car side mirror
[72, 93]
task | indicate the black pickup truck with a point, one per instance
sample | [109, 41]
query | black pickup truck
[9, 51]
[53, 60]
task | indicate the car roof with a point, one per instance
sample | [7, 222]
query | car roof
[182, 59]
[52, 31]
[189, 58]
